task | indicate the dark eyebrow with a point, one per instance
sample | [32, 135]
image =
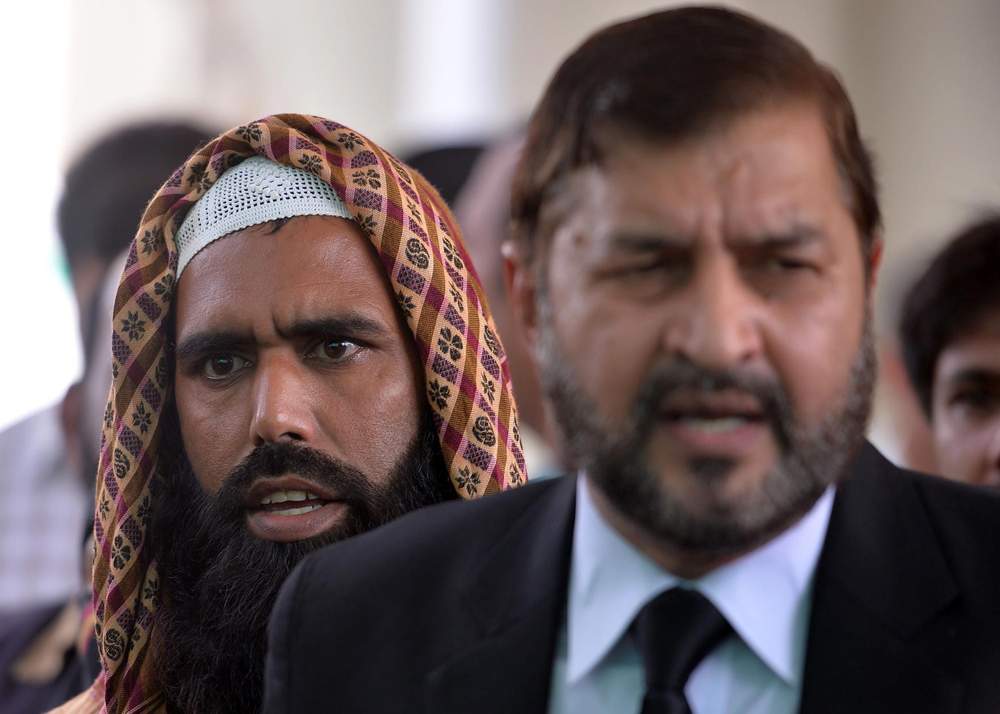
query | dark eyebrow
[210, 342]
[350, 326]
[638, 242]
[975, 375]
[796, 236]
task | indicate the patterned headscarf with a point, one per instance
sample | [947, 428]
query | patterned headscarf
[419, 246]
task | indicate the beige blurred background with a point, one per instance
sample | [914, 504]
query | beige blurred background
[923, 75]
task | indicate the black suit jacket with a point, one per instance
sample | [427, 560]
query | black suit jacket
[456, 608]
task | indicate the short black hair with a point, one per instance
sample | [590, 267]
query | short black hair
[674, 75]
[961, 285]
[108, 186]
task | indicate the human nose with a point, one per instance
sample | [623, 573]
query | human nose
[716, 322]
[281, 407]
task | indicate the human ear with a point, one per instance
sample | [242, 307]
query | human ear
[520, 280]
[874, 260]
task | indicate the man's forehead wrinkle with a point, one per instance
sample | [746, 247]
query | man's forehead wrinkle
[217, 298]
[220, 297]
[773, 222]
[344, 323]
[777, 217]
[744, 207]
[765, 195]
[350, 296]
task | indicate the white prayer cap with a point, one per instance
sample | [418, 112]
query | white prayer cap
[254, 191]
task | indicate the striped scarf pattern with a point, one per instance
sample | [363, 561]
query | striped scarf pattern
[419, 245]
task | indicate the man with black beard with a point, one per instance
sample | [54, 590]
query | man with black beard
[214, 553]
[696, 241]
[301, 353]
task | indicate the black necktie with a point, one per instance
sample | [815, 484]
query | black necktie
[674, 632]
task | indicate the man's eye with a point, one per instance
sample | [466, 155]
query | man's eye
[779, 264]
[655, 267]
[651, 267]
[975, 400]
[334, 350]
[221, 367]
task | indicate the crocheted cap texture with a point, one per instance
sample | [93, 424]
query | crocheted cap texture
[254, 191]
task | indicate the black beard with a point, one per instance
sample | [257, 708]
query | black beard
[812, 456]
[218, 582]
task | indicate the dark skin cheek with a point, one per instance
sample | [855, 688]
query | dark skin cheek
[208, 425]
[371, 436]
[377, 414]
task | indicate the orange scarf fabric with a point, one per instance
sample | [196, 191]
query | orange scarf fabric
[421, 249]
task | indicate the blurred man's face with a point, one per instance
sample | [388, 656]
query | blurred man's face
[966, 405]
[295, 339]
[704, 332]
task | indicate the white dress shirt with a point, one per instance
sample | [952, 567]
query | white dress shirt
[765, 595]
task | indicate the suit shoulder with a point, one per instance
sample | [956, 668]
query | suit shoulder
[452, 535]
[944, 500]
[947, 500]
[964, 519]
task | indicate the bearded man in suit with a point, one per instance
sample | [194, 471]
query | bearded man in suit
[696, 242]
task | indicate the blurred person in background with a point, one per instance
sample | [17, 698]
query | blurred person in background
[483, 210]
[48, 462]
[48, 652]
[105, 192]
[446, 167]
[43, 514]
[697, 236]
[950, 340]
[302, 352]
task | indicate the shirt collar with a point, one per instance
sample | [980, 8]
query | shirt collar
[765, 595]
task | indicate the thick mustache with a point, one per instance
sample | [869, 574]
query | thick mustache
[276, 459]
[668, 378]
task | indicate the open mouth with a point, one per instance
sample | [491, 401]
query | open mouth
[726, 419]
[712, 422]
[290, 508]
[713, 410]
[291, 502]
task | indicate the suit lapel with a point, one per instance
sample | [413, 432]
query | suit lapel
[880, 581]
[515, 604]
